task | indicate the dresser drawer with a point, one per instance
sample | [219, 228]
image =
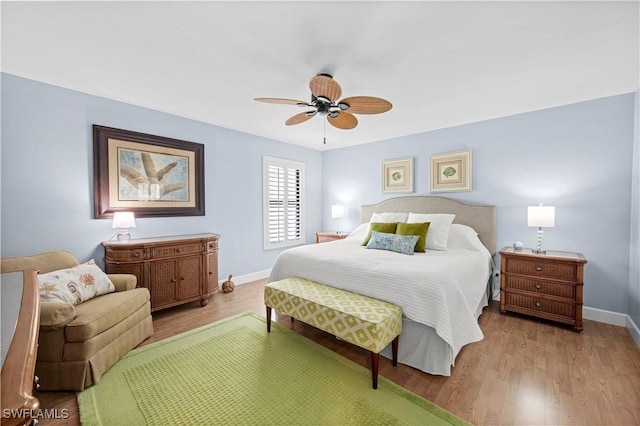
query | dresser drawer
[540, 304]
[542, 268]
[176, 250]
[534, 285]
[124, 255]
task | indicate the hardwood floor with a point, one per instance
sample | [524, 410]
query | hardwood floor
[525, 371]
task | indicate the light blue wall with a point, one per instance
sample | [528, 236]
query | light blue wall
[47, 177]
[634, 256]
[575, 157]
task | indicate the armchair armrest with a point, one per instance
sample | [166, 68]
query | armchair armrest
[54, 315]
[123, 282]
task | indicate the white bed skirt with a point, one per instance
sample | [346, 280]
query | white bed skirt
[420, 347]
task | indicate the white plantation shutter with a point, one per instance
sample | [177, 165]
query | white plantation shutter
[283, 202]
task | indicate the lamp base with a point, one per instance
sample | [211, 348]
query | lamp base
[123, 235]
[537, 251]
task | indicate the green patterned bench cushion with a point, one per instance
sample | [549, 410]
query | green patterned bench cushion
[369, 323]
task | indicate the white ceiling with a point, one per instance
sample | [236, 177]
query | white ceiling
[441, 64]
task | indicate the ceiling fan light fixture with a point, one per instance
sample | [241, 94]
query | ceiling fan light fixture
[326, 102]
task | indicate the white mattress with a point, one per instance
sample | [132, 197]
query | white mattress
[438, 290]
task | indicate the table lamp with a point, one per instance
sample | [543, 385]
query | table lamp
[337, 212]
[542, 217]
[124, 221]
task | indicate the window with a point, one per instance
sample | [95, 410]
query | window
[283, 185]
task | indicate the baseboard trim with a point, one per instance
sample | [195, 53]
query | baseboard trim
[607, 317]
[633, 329]
[247, 278]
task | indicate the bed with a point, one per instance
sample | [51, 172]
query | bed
[441, 292]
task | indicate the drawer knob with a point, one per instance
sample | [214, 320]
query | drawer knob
[136, 254]
[173, 280]
[538, 268]
[537, 304]
[210, 273]
[538, 286]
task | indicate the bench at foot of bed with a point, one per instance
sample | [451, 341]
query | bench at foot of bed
[369, 323]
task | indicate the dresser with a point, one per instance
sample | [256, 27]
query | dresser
[176, 270]
[323, 237]
[545, 286]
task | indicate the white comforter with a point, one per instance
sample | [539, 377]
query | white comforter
[440, 289]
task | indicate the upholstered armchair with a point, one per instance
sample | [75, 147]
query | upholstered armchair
[78, 343]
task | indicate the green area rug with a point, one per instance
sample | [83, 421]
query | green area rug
[234, 372]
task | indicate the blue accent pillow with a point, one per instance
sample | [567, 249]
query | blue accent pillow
[404, 244]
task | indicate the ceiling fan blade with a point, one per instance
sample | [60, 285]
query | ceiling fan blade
[282, 101]
[366, 105]
[344, 121]
[324, 85]
[300, 118]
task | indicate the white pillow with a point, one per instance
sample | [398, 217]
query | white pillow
[360, 232]
[465, 237]
[389, 217]
[438, 234]
[74, 285]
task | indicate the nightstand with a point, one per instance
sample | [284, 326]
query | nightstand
[545, 286]
[324, 237]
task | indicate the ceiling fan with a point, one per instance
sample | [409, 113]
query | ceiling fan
[325, 92]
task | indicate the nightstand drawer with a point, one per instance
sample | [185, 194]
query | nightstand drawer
[542, 268]
[540, 304]
[534, 285]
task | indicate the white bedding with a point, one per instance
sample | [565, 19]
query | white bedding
[440, 289]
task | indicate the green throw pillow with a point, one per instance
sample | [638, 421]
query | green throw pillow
[387, 228]
[419, 229]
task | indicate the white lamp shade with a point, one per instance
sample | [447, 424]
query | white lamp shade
[541, 216]
[337, 211]
[123, 220]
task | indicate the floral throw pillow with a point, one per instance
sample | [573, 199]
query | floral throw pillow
[74, 285]
[404, 244]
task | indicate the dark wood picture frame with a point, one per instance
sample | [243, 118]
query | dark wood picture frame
[123, 158]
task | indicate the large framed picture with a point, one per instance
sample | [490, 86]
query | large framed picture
[451, 172]
[146, 174]
[397, 175]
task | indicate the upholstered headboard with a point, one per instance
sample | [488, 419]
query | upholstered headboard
[482, 218]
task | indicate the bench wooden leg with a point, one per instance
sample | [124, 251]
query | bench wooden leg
[268, 319]
[394, 349]
[375, 362]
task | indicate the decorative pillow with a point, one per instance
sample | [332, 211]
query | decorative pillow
[389, 217]
[389, 228]
[74, 285]
[438, 230]
[404, 244]
[419, 229]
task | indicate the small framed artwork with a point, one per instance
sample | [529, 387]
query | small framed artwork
[397, 175]
[146, 174]
[451, 172]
